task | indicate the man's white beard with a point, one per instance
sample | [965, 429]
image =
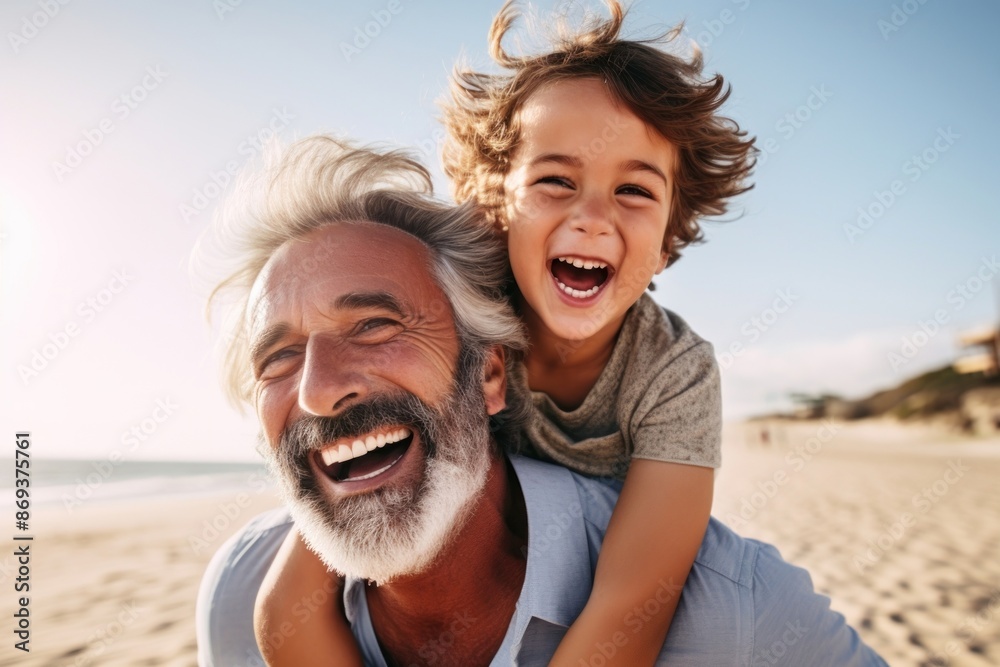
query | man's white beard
[387, 533]
[395, 532]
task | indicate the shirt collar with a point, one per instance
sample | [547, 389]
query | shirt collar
[558, 573]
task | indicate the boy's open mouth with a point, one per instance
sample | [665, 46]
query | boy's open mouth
[365, 456]
[580, 278]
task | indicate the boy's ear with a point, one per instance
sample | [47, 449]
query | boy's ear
[665, 252]
[495, 380]
[664, 258]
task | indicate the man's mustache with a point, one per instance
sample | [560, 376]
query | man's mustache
[310, 433]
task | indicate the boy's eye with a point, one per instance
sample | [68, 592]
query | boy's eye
[555, 180]
[635, 190]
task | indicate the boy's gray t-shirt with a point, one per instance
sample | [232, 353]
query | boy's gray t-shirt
[657, 398]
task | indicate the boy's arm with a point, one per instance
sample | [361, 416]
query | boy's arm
[652, 539]
[292, 629]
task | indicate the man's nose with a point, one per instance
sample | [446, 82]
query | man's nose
[332, 379]
[593, 216]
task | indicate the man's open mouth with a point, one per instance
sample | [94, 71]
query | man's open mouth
[364, 456]
[580, 278]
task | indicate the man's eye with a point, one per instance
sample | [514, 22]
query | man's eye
[278, 356]
[375, 324]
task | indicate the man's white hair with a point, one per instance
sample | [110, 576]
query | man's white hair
[321, 180]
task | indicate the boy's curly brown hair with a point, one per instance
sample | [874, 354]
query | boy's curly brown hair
[665, 91]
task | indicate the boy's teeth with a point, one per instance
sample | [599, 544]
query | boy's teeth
[582, 263]
[578, 294]
[345, 452]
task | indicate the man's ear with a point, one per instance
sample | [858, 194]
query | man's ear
[495, 380]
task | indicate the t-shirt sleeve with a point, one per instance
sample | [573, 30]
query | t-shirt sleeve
[679, 416]
[795, 624]
[224, 610]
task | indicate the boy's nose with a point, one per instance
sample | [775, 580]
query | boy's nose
[593, 217]
[330, 381]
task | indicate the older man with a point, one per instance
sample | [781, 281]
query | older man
[376, 347]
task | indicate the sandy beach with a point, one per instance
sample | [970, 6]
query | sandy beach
[900, 527]
[115, 583]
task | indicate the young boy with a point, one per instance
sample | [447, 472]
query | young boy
[595, 160]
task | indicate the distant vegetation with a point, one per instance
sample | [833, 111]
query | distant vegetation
[936, 393]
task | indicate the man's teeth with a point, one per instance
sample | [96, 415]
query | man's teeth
[578, 294]
[345, 450]
[583, 263]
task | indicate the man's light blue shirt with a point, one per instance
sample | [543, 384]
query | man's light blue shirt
[741, 605]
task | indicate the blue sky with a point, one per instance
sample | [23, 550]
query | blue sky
[880, 106]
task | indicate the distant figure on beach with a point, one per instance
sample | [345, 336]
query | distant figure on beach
[384, 367]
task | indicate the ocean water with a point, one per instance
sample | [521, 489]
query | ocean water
[72, 481]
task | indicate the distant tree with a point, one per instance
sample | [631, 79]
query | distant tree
[812, 400]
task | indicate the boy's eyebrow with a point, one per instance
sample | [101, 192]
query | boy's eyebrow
[639, 165]
[559, 158]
